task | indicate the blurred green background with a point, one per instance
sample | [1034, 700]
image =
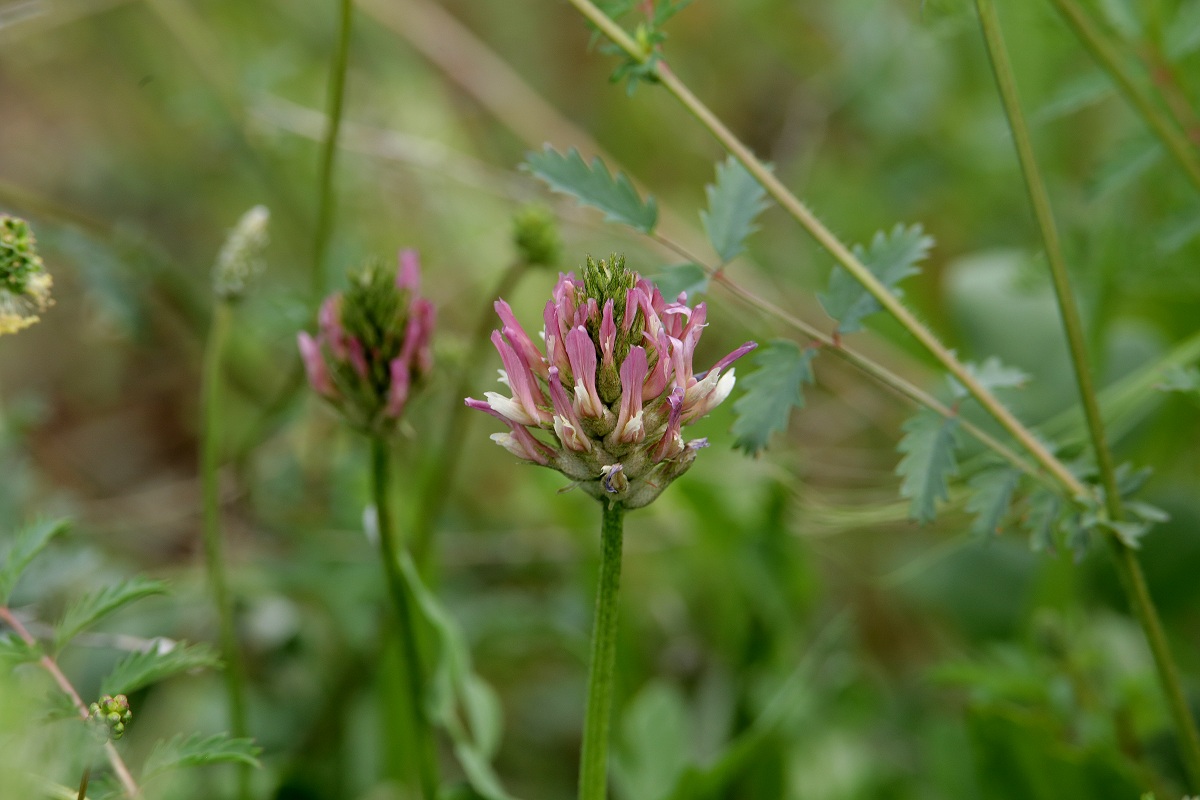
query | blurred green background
[786, 632]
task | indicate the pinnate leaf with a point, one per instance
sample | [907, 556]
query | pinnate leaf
[143, 668]
[197, 750]
[94, 606]
[992, 374]
[593, 185]
[992, 493]
[733, 202]
[928, 444]
[26, 545]
[772, 391]
[892, 257]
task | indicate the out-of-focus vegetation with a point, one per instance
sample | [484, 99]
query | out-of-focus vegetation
[785, 630]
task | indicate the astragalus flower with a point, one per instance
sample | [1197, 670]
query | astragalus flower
[372, 346]
[607, 401]
[24, 282]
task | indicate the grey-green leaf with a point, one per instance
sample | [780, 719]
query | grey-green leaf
[26, 545]
[1042, 518]
[891, 258]
[143, 668]
[928, 444]
[94, 606]
[992, 492]
[593, 185]
[992, 374]
[197, 750]
[771, 392]
[733, 202]
[688, 278]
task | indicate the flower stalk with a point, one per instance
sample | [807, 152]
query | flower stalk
[593, 762]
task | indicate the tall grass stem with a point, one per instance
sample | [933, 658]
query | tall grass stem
[335, 103]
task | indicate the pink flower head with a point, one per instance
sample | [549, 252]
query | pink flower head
[607, 401]
[372, 346]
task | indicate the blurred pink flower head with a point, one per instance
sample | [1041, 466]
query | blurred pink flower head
[372, 345]
[606, 402]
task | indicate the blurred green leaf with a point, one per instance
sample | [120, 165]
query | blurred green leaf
[14, 651]
[772, 391]
[733, 202]
[198, 750]
[655, 746]
[594, 186]
[141, 669]
[689, 278]
[1041, 518]
[1181, 379]
[1182, 36]
[94, 606]
[992, 374]
[928, 444]
[992, 493]
[1078, 93]
[892, 257]
[27, 543]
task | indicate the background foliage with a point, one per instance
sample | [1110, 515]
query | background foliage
[786, 631]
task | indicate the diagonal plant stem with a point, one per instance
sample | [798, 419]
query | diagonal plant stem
[337, 92]
[826, 238]
[210, 458]
[47, 663]
[1104, 52]
[1127, 564]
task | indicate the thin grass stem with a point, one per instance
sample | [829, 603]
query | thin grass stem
[336, 102]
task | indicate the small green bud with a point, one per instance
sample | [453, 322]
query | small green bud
[535, 234]
[240, 259]
[24, 282]
[108, 717]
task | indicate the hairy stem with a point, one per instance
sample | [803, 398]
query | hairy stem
[124, 776]
[593, 768]
[426, 756]
[441, 475]
[826, 238]
[210, 462]
[336, 98]
[1104, 52]
[1127, 564]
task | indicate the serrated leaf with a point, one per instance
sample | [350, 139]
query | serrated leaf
[1040, 521]
[197, 750]
[928, 444]
[992, 374]
[1075, 95]
[94, 606]
[14, 650]
[891, 258]
[689, 278]
[771, 392]
[1180, 379]
[26, 545]
[733, 202]
[594, 186]
[992, 493]
[143, 668]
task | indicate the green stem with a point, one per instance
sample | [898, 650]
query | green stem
[210, 462]
[83, 783]
[1127, 564]
[593, 770]
[441, 475]
[337, 91]
[405, 627]
[826, 238]
[1104, 52]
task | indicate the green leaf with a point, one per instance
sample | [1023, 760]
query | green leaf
[992, 374]
[689, 278]
[140, 669]
[1181, 379]
[26, 545]
[656, 742]
[197, 750]
[594, 186]
[1075, 95]
[891, 258]
[14, 651]
[992, 495]
[928, 445]
[1041, 519]
[733, 203]
[772, 391]
[94, 606]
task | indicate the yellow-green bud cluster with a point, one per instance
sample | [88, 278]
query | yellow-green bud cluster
[109, 717]
[24, 282]
[535, 234]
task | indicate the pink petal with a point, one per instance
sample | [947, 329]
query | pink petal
[582, 355]
[408, 275]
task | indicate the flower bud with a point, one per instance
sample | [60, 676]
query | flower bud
[371, 348]
[607, 402]
[240, 259]
[535, 234]
[24, 282]
[109, 716]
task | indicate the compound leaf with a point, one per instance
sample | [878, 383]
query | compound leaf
[928, 444]
[197, 750]
[992, 494]
[26, 545]
[143, 668]
[772, 391]
[892, 257]
[94, 606]
[594, 186]
[733, 202]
